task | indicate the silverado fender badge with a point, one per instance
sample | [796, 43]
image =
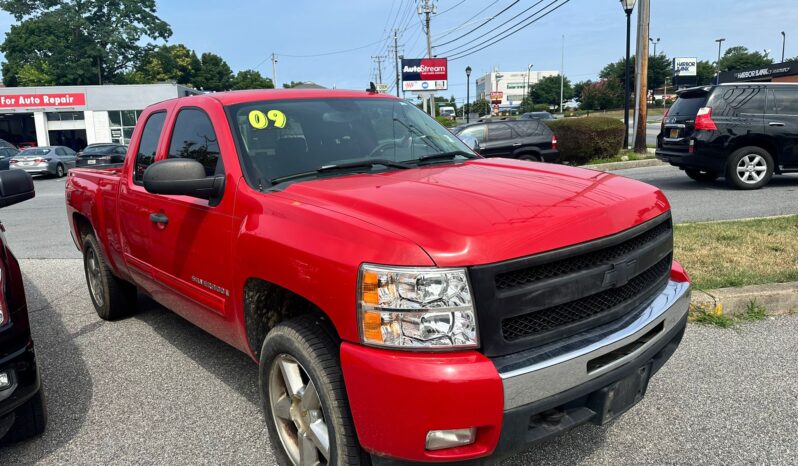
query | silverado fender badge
[210, 285]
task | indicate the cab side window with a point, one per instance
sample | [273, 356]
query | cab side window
[148, 145]
[194, 138]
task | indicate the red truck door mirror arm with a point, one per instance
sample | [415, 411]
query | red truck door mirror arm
[183, 177]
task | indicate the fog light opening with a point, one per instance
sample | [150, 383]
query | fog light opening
[5, 380]
[442, 439]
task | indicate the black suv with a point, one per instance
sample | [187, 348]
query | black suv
[745, 132]
[514, 139]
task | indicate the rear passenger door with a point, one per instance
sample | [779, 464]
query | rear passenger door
[781, 122]
[192, 248]
[501, 141]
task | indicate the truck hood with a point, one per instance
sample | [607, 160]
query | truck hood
[488, 210]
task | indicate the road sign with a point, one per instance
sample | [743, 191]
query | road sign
[382, 88]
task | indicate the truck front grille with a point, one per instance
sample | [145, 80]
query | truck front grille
[531, 301]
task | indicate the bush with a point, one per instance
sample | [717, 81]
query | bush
[580, 140]
[446, 121]
[541, 107]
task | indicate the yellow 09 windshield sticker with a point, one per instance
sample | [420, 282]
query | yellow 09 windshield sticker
[260, 120]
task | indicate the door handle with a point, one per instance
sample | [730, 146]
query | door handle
[159, 218]
[775, 123]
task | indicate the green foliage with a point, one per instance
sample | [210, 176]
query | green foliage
[480, 107]
[580, 140]
[251, 79]
[705, 72]
[579, 87]
[739, 58]
[167, 63]
[214, 73]
[77, 41]
[445, 121]
[659, 70]
[547, 91]
[292, 84]
[601, 95]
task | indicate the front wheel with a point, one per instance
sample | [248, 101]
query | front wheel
[304, 397]
[749, 168]
[702, 175]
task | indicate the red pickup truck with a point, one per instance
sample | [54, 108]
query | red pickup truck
[406, 300]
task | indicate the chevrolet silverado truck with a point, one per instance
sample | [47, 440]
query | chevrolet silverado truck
[405, 299]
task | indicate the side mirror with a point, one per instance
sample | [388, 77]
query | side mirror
[471, 142]
[184, 177]
[15, 186]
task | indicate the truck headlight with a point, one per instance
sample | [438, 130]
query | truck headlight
[416, 308]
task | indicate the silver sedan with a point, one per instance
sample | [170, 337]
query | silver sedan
[46, 160]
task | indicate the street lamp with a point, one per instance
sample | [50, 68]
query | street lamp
[528, 84]
[468, 93]
[628, 6]
[717, 63]
[655, 42]
[783, 42]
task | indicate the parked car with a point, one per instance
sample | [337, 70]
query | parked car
[513, 139]
[6, 154]
[537, 116]
[448, 112]
[4, 144]
[22, 408]
[47, 160]
[745, 132]
[405, 298]
[101, 154]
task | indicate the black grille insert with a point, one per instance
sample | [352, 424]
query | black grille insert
[538, 322]
[517, 278]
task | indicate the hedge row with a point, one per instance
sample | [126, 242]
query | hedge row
[580, 140]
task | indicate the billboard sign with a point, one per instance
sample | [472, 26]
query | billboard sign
[425, 74]
[42, 100]
[496, 97]
[685, 66]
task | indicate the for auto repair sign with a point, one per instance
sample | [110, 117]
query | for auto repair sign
[685, 66]
[42, 100]
[425, 74]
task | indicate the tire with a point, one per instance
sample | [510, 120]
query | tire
[702, 175]
[30, 419]
[59, 171]
[303, 349]
[113, 298]
[529, 157]
[749, 168]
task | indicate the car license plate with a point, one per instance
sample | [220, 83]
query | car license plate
[91, 162]
[617, 398]
[26, 163]
[674, 133]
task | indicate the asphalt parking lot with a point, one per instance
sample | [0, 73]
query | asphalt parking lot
[154, 389]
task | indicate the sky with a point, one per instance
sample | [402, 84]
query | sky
[246, 33]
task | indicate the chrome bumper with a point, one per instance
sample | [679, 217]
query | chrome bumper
[567, 367]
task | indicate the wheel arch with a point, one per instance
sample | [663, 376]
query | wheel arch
[756, 140]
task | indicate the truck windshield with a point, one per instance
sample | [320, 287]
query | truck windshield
[280, 138]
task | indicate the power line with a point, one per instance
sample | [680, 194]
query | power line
[469, 19]
[502, 25]
[452, 7]
[484, 23]
[463, 54]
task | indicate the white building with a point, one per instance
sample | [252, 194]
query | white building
[512, 85]
[75, 116]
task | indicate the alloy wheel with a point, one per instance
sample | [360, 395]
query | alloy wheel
[752, 168]
[297, 412]
[94, 276]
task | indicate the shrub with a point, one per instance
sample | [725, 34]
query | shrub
[580, 140]
[446, 121]
[540, 107]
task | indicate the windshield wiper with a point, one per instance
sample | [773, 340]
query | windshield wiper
[446, 155]
[340, 166]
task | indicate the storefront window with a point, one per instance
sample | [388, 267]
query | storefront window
[64, 116]
[122, 123]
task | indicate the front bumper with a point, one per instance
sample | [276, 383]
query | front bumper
[397, 397]
[21, 367]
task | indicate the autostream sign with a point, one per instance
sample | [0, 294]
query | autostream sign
[425, 74]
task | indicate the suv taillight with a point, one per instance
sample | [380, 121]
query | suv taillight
[553, 142]
[662, 122]
[703, 119]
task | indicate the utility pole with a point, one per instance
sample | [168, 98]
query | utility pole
[429, 9]
[274, 70]
[641, 78]
[396, 59]
[379, 59]
[562, 71]
[783, 43]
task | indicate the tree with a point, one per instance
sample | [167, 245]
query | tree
[292, 84]
[77, 41]
[579, 87]
[175, 63]
[214, 73]
[659, 71]
[547, 90]
[705, 72]
[601, 95]
[480, 107]
[251, 79]
[739, 58]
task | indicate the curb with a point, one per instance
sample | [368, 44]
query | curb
[612, 166]
[776, 298]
